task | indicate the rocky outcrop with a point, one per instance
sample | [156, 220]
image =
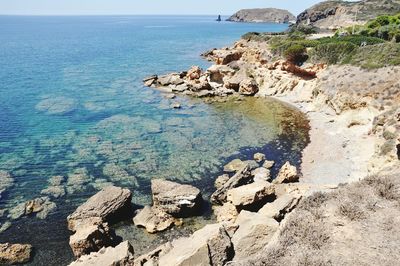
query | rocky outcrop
[287, 174]
[90, 220]
[153, 219]
[336, 14]
[263, 15]
[208, 246]
[15, 253]
[107, 205]
[121, 255]
[175, 199]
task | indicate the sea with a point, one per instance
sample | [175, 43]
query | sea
[75, 117]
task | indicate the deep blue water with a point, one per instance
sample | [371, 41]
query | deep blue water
[72, 104]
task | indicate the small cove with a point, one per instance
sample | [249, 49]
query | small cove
[73, 104]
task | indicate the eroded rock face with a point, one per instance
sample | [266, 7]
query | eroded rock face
[248, 87]
[106, 204]
[175, 199]
[121, 255]
[208, 246]
[287, 174]
[15, 253]
[254, 232]
[91, 238]
[153, 219]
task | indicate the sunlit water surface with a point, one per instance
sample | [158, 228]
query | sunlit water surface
[72, 104]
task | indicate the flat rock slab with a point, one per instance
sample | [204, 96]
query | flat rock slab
[106, 204]
[111, 256]
[15, 253]
[250, 194]
[153, 219]
[281, 206]
[175, 199]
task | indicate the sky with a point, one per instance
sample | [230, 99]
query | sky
[142, 7]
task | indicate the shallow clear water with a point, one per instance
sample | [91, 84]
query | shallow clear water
[72, 104]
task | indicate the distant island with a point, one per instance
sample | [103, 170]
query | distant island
[260, 15]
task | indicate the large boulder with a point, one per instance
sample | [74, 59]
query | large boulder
[226, 213]
[281, 206]
[153, 219]
[248, 87]
[210, 245]
[176, 199]
[91, 238]
[15, 253]
[254, 232]
[194, 73]
[121, 255]
[217, 73]
[242, 177]
[170, 79]
[250, 194]
[108, 204]
[287, 174]
[261, 174]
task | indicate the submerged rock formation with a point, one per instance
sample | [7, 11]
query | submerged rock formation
[6, 181]
[259, 15]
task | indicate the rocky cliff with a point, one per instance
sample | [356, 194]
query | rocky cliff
[337, 14]
[263, 15]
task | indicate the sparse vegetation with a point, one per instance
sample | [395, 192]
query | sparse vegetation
[296, 54]
[332, 53]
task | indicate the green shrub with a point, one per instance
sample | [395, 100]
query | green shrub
[332, 53]
[354, 39]
[296, 54]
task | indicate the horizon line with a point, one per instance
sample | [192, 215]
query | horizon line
[117, 14]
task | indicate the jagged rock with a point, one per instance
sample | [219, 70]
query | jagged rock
[248, 87]
[106, 204]
[153, 219]
[255, 231]
[121, 255]
[151, 258]
[170, 79]
[261, 174]
[226, 212]
[210, 245]
[250, 194]
[221, 180]
[149, 81]
[224, 57]
[15, 253]
[233, 82]
[201, 86]
[194, 73]
[259, 157]
[217, 73]
[6, 181]
[91, 237]
[268, 164]
[180, 88]
[175, 199]
[287, 174]
[281, 206]
[242, 176]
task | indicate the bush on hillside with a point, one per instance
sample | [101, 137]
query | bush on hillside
[332, 53]
[296, 54]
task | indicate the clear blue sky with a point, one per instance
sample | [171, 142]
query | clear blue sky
[100, 7]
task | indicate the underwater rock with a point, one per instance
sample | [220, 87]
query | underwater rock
[91, 237]
[287, 174]
[56, 106]
[54, 191]
[15, 253]
[5, 226]
[210, 245]
[6, 181]
[78, 180]
[153, 219]
[118, 174]
[122, 255]
[176, 199]
[39, 206]
[109, 203]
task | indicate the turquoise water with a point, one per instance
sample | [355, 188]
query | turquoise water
[72, 104]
